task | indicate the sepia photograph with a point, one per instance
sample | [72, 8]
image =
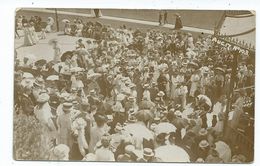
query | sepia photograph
[134, 85]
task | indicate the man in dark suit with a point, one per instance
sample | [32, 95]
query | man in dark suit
[128, 156]
[26, 102]
[178, 22]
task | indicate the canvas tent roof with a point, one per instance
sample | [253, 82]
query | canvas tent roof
[240, 28]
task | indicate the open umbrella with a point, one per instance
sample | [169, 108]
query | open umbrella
[139, 131]
[40, 62]
[52, 78]
[27, 82]
[66, 21]
[219, 69]
[193, 64]
[58, 67]
[65, 55]
[205, 99]
[164, 127]
[144, 115]
[172, 153]
[224, 151]
[98, 24]
[27, 75]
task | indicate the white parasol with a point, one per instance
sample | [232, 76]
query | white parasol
[27, 82]
[27, 75]
[164, 127]
[172, 153]
[206, 99]
[52, 78]
[139, 131]
[66, 21]
[224, 151]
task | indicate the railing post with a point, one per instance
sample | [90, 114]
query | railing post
[57, 20]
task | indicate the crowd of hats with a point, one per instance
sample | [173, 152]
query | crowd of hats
[131, 67]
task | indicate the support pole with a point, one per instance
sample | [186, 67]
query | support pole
[57, 20]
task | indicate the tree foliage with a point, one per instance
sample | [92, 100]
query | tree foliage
[31, 139]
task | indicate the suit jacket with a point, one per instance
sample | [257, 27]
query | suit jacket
[27, 105]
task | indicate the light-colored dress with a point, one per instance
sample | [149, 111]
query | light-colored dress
[28, 41]
[49, 26]
[95, 135]
[64, 130]
[195, 78]
[57, 53]
[34, 34]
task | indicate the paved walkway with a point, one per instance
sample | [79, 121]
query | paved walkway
[170, 26]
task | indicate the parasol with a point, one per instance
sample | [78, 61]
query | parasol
[27, 75]
[139, 131]
[65, 55]
[58, 67]
[205, 99]
[66, 21]
[220, 69]
[52, 78]
[224, 151]
[172, 153]
[144, 115]
[27, 82]
[193, 64]
[164, 127]
[98, 24]
[51, 19]
[40, 62]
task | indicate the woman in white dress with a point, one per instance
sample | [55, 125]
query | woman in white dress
[50, 23]
[195, 80]
[67, 28]
[28, 41]
[79, 28]
[33, 33]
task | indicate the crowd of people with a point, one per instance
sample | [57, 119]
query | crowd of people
[30, 27]
[132, 96]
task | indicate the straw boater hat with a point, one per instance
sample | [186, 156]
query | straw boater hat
[118, 127]
[131, 111]
[203, 144]
[161, 94]
[203, 132]
[178, 113]
[131, 119]
[60, 151]
[148, 152]
[67, 106]
[131, 98]
[92, 91]
[129, 149]
[146, 85]
[39, 82]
